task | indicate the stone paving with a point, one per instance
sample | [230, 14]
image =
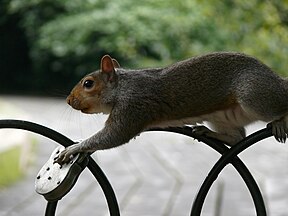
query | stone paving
[157, 174]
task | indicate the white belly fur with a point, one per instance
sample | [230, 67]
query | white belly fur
[232, 117]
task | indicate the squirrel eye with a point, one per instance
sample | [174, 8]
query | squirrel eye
[88, 84]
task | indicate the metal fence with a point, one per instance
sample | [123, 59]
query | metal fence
[229, 156]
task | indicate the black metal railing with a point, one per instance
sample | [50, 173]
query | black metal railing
[229, 156]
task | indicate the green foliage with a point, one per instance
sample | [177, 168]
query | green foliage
[67, 38]
[254, 27]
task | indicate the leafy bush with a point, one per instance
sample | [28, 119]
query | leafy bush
[66, 39]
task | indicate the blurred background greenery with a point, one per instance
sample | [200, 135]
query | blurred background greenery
[47, 45]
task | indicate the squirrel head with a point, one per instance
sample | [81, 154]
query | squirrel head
[87, 95]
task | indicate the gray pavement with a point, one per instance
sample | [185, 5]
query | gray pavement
[158, 173]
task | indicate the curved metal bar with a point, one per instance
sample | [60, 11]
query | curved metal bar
[51, 208]
[229, 157]
[235, 161]
[106, 187]
[63, 140]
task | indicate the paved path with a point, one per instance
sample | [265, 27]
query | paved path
[157, 174]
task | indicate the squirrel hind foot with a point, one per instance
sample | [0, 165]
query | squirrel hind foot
[280, 129]
[229, 138]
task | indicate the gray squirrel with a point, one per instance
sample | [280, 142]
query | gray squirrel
[229, 90]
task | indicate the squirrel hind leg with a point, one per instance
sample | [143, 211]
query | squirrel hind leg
[280, 129]
[227, 135]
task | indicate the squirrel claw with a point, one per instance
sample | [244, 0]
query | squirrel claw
[279, 130]
[200, 130]
[67, 154]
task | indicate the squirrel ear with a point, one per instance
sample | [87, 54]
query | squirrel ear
[115, 63]
[108, 68]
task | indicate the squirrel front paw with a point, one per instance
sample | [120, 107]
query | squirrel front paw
[67, 154]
